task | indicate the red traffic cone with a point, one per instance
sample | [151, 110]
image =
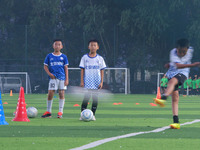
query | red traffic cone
[21, 114]
[158, 94]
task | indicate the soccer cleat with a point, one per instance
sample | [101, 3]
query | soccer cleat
[93, 118]
[59, 115]
[160, 102]
[46, 114]
[80, 119]
[175, 126]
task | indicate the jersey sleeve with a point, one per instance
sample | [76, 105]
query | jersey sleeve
[46, 61]
[103, 64]
[82, 64]
[190, 55]
[66, 61]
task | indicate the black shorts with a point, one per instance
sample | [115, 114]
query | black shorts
[181, 78]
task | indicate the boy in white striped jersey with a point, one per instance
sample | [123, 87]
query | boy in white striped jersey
[92, 72]
[179, 68]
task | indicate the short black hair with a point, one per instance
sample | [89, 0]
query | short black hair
[182, 43]
[93, 40]
[55, 40]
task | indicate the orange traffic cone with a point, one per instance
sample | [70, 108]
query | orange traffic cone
[11, 93]
[158, 94]
[21, 114]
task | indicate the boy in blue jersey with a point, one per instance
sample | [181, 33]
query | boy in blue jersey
[180, 62]
[92, 71]
[56, 66]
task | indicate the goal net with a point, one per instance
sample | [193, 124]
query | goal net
[116, 80]
[181, 88]
[13, 81]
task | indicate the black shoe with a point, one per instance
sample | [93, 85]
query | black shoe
[46, 114]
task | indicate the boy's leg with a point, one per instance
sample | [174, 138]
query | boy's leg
[162, 90]
[85, 101]
[52, 87]
[171, 85]
[94, 103]
[49, 104]
[50, 100]
[61, 100]
[62, 88]
[175, 100]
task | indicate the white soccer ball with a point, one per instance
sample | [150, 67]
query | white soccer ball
[87, 115]
[32, 112]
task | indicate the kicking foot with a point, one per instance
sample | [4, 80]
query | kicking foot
[160, 102]
[175, 126]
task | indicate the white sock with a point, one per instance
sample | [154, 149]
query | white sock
[61, 105]
[49, 105]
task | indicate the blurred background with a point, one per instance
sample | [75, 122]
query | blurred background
[133, 34]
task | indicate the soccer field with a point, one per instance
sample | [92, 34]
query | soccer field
[112, 120]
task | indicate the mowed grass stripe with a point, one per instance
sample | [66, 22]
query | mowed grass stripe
[111, 121]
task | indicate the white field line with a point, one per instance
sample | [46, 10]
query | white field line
[100, 142]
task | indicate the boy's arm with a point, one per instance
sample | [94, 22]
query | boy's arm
[102, 75]
[179, 66]
[48, 72]
[66, 75]
[82, 75]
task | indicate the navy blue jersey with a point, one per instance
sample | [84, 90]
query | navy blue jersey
[56, 65]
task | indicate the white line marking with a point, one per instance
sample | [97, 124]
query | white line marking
[100, 142]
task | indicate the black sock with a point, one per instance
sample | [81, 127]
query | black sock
[94, 103]
[175, 118]
[85, 101]
[163, 97]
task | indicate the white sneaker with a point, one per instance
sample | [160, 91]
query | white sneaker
[93, 118]
[80, 119]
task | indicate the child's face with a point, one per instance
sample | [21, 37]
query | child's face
[93, 46]
[182, 51]
[57, 45]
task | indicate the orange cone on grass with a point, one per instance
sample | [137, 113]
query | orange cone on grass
[21, 114]
[158, 94]
[11, 94]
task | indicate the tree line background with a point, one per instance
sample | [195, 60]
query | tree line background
[137, 34]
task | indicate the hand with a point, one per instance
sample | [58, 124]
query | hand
[52, 76]
[167, 65]
[82, 84]
[196, 64]
[66, 83]
[100, 86]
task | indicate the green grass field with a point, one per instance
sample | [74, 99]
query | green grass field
[112, 120]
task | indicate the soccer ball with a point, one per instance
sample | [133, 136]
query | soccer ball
[32, 112]
[87, 115]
